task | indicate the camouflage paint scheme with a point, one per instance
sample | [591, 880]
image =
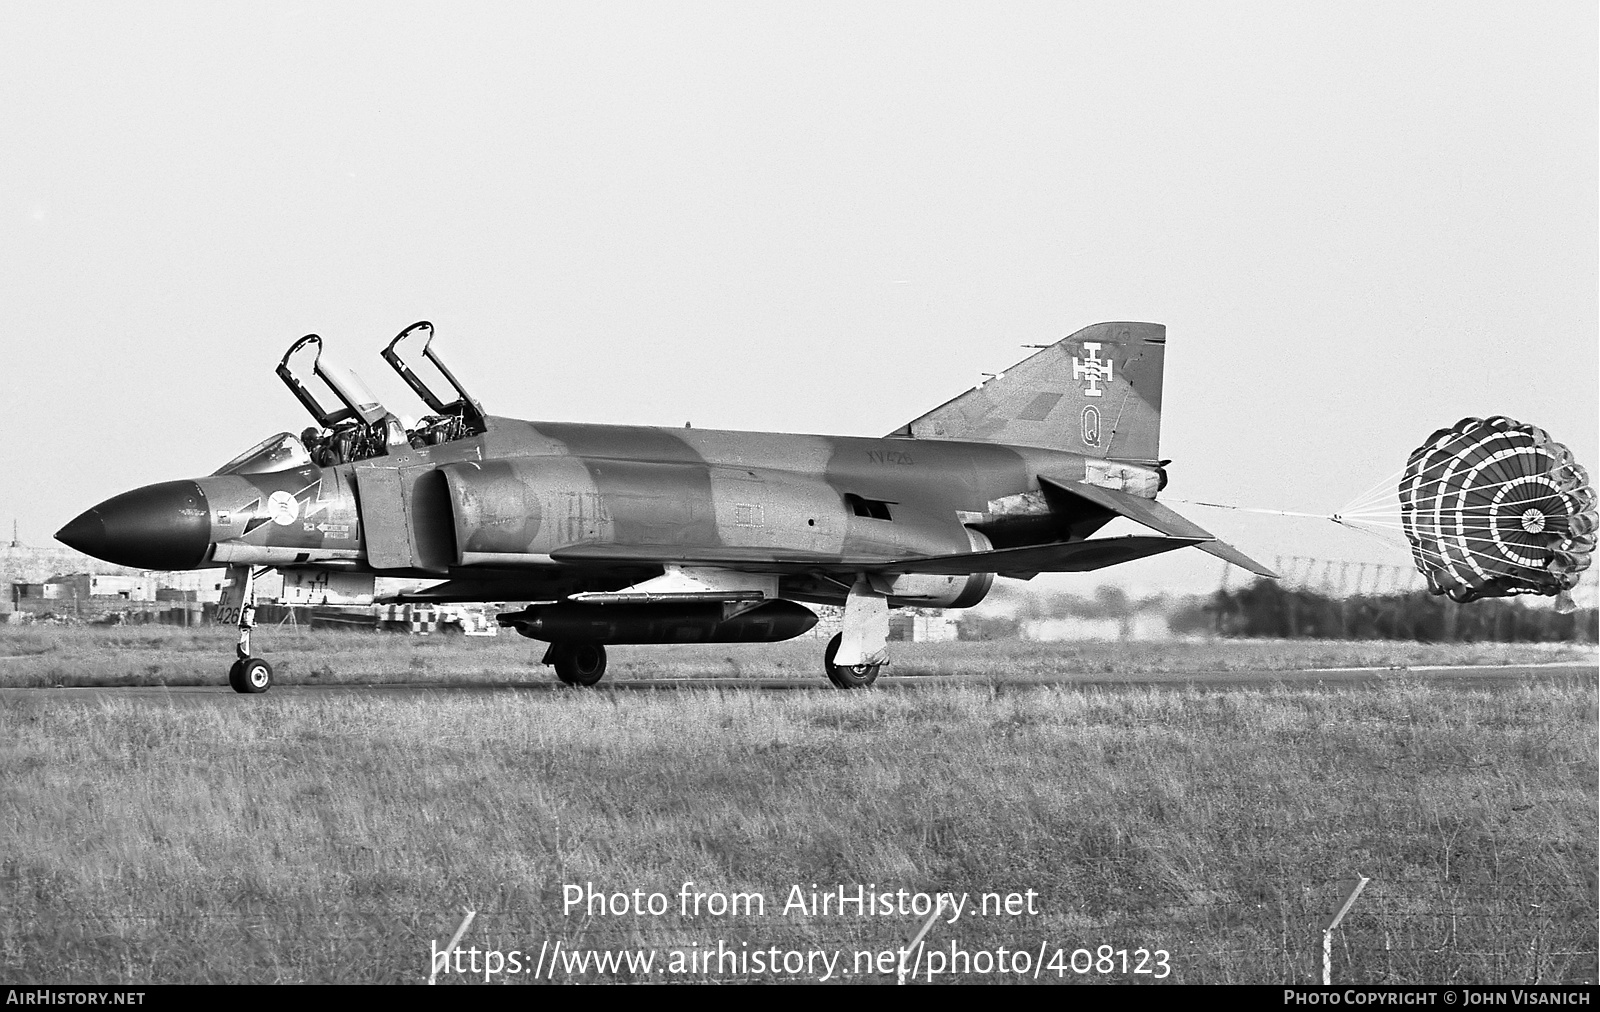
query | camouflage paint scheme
[1009, 478]
[504, 505]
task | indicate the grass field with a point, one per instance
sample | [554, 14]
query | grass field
[39, 656]
[337, 838]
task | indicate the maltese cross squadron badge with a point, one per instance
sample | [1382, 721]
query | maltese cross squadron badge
[1092, 367]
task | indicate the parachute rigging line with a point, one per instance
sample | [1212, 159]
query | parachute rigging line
[1489, 507]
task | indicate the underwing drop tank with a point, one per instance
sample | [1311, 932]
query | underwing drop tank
[676, 622]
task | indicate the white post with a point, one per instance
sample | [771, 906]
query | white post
[1327, 932]
[938, 907]
[454, 939]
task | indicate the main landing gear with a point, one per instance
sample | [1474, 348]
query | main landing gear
[577, 663]
[866, 627]
[854, 676]
[248, 674]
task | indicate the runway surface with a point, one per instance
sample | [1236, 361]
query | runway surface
[1464, 676]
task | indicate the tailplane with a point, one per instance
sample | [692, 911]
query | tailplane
[1097, 393]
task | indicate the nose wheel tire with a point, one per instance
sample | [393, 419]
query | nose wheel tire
[251, 675]
[580, 663]
[856, 676]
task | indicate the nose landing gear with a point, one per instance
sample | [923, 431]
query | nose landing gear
[248, 674]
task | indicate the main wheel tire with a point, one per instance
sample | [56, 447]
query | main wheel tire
[580, 663]
[251, 675]
[857, 676]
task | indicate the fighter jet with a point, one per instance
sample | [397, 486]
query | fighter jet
[616, 534]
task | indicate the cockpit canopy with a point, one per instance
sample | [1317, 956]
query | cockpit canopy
[354, 400]
[283, 452]
[352, 424]
[451, 420]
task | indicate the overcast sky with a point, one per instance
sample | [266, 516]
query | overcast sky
[1359, 222]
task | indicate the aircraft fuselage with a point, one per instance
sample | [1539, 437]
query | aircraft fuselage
[499, 507]
[632, 534]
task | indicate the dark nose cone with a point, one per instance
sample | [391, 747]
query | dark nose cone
[165, 526]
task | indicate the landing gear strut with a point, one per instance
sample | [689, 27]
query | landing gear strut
[248, 674]
[577, 663]
[864, 639]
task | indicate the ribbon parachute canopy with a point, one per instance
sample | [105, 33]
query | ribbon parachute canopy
[1493, 507]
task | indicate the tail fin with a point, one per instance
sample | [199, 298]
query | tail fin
[1097, 393]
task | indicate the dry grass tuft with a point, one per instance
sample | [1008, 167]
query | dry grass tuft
[162, 655]
[314, 838]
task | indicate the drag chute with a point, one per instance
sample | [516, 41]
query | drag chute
[1493, 507]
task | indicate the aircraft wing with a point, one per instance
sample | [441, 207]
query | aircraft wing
[1158, 517]
[762, 560]
[1060, 557]
[1057, 557]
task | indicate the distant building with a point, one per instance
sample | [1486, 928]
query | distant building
[35, 565]
[906, 625]
[1143, 627]
[205, 585]
[83, 594]
[93, 585]
[922, 625]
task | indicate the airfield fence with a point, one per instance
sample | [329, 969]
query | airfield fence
[1422, 930]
